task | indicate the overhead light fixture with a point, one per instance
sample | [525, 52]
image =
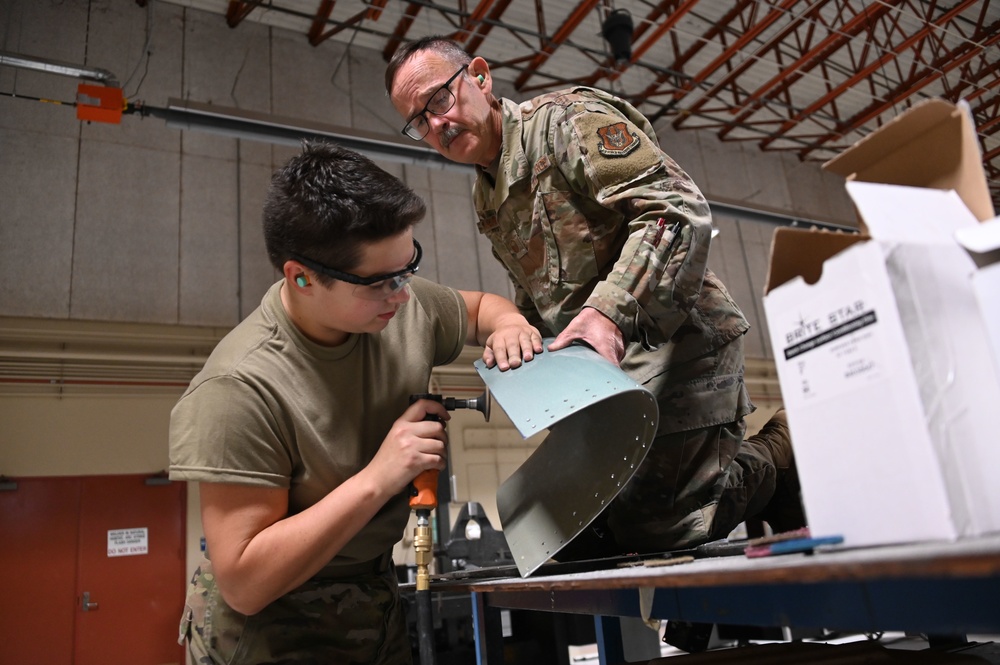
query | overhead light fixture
[617, 30]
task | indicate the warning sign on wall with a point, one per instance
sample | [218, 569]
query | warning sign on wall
[128, 542]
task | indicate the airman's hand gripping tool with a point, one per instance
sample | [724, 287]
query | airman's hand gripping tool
[423, 499]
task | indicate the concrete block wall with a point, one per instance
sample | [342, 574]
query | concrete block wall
[143, 222]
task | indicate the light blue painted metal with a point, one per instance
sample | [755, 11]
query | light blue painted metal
[600, 425]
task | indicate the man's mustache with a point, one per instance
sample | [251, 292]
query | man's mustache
[448, 135]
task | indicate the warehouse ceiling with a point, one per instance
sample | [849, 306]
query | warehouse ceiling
[809, 77]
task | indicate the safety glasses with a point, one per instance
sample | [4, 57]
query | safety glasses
[376, 287]
[440, 103]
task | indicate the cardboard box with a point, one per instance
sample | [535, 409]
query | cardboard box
[882, 353]
[983, 244]
[931, 145]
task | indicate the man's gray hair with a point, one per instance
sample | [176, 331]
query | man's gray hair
[448, 49]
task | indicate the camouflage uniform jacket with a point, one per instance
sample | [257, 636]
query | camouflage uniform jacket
[584, 209]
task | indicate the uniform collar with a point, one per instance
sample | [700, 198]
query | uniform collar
[511, 165]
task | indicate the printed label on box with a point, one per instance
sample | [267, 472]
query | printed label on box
[834, 352]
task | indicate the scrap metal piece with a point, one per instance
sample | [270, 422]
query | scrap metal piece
[600, 426]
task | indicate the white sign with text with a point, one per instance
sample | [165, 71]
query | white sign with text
[128, 542]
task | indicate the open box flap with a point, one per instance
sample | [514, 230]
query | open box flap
[913, 215]
[801, 253]
[982, 242]
[933, 144]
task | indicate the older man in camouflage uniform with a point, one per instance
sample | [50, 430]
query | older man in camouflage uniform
[606, 240]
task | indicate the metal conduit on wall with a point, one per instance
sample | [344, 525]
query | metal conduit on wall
[56, 67]
[235, 123]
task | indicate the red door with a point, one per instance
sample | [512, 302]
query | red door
[38, 527]
[116, 541]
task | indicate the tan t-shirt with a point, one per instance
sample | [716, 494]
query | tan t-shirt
[273, 409]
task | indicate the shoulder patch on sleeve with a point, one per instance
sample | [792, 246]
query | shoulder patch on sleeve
[617, 140]
[617, 151]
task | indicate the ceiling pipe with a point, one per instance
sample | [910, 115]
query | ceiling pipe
[237, 123]
[61, 68]
[252, 126]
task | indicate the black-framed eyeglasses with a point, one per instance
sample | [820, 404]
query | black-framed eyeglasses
[440, 103]
[376, 287]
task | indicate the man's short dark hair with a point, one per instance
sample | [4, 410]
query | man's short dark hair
[448, 49]
[327, 202]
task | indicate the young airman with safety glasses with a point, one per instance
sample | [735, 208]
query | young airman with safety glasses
[299, 429]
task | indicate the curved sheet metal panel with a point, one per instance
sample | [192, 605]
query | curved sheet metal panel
[600, 423]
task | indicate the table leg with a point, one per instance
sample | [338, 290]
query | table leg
[610, 647]
[488, 628]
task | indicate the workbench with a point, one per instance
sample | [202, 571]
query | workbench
[941, 588]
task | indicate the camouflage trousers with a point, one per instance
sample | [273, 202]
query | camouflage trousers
[692, 488]
[345, 621]
[698, 486]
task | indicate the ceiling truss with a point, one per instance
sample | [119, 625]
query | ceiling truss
[808, 77]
